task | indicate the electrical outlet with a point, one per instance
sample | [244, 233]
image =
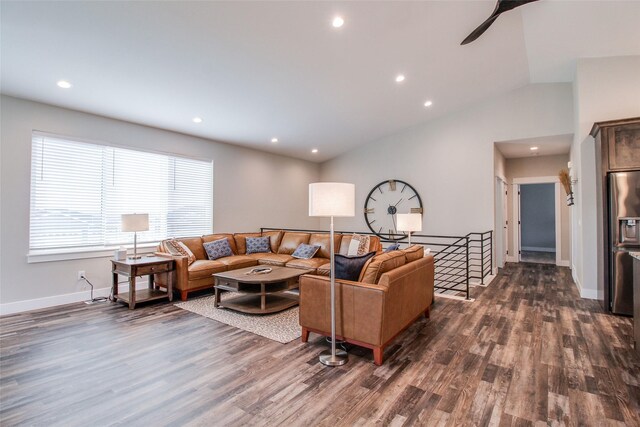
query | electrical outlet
[80, 274]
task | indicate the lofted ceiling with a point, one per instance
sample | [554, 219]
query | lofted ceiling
[258, 70]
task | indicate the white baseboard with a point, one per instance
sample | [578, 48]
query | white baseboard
[511, 258]
[589, 293]
[52, 301]
[574, 275]
[537, 249]
[584, 293]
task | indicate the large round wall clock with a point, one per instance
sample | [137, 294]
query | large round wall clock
[385, 201]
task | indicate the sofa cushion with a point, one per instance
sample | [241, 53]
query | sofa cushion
[241, 243]
[413, 253]
[272, 259]
[324, 269]
[380, 264]
[350, 267]
[218, 249]
[218, 236]
[304, 251]
[202, 269]
[178, 246]
[274, 237]
[291, 241]
[322, 240]
[359, 245]
[308, 264]
[256, 245]
[235, 262]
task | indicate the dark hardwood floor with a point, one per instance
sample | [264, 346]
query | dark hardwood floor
[528, 351]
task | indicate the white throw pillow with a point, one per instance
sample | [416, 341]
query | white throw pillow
[359, 245]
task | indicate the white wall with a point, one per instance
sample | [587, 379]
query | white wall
[252, 189]
[605, 89]
[450, 160]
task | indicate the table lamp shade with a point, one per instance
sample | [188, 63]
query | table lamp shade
[135, 222]
[332, 199]
[409, 222]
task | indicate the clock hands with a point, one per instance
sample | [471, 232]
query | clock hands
[383, 194]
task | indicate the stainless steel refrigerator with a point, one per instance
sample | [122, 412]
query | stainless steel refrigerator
[624, 237]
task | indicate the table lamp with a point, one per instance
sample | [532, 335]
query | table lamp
[330, 199]
[134, 223]
[409, 223]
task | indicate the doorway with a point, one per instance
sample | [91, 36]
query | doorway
[537, 219]
[537, 223]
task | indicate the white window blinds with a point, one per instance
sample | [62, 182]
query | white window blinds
[79, 190]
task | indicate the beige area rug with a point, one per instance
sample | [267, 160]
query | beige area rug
[282, 327]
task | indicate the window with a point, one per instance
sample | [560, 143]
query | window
[79, 190]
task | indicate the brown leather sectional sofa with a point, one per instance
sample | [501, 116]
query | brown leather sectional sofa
[394, 290]
[198, 275]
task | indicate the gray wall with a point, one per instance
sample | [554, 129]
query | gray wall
[252, 189]
[450, 160]
[537, 216]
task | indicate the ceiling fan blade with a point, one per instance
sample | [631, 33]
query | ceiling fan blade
[501, 6]
[480, 30]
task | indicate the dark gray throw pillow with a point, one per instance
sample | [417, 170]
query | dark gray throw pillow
[349, 267]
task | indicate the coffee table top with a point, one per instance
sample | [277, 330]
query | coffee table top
[277, 274]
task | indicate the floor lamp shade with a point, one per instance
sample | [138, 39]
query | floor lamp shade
[332, 199]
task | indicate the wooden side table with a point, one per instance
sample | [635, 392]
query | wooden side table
[144, 266]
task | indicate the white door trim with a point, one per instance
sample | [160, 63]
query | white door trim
[516, 212]
[500, 221]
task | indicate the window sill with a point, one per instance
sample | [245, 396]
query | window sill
[84, 253]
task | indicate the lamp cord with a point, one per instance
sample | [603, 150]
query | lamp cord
[91, 284]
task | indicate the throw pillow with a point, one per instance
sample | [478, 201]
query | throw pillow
[393, 247]
[170, 248]
[258, 244]
[182, 249]
[349, 267]
[304, 251]
[218, 248]
[359, 245]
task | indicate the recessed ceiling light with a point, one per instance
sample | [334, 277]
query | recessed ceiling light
[399, 78]
[197, 120]
[534, 148]
[314, 151]
[64, 84]
[274, 140]
[428, 103]
[337, 22]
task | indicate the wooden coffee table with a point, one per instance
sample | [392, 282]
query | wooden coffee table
[262, 293]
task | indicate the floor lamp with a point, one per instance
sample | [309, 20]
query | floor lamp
[134, 223]
[330, 199]
[409, 223]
